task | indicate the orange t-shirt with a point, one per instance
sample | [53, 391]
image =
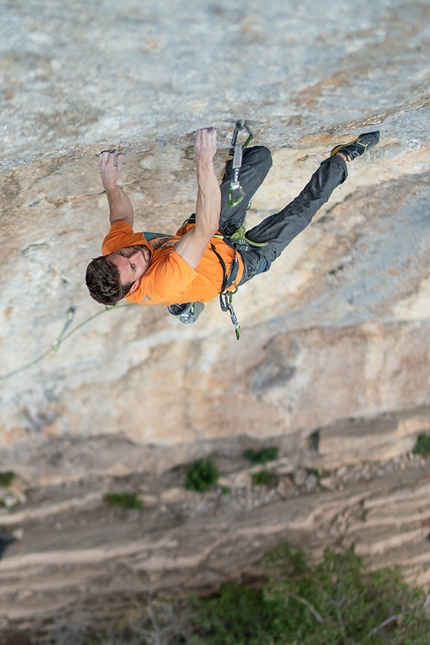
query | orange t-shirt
[169, 279]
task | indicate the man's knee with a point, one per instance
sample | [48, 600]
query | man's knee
[333, 164]
[267, 158]
[258, 155]
[259, 158]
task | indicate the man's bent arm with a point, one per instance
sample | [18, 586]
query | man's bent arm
[208, 206]
[120, 207]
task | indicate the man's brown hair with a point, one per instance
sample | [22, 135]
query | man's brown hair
[104, 282]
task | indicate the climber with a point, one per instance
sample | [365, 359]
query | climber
[206, 257]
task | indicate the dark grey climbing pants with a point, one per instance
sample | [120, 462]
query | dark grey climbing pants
[280, 229]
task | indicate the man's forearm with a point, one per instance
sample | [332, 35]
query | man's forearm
[208, 203]
[120, 207]
[208, 206]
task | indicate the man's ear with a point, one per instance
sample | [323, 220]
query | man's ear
[133, 287]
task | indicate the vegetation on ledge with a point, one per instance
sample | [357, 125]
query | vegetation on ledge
[337, 601]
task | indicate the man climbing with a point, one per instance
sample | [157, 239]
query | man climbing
[210, 254]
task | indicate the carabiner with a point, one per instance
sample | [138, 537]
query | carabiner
[235, 191]
[226, 304]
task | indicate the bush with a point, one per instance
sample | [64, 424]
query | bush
[202, 475]
[422, 446]
[263, 478]
[6, 478]
[335, 602]
[129, 501]
[261, 457]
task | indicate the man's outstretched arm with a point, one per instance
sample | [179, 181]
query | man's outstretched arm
[120, 207]
[208, 206]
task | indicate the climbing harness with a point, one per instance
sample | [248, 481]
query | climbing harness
[225, 296]
[237, 241]
[235, 191]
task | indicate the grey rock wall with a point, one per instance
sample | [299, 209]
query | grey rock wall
[91, 73]
[338, 329]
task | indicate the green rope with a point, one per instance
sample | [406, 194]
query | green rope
[60, 340]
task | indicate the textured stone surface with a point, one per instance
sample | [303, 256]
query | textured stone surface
[80, 557]
[334, 355]
[338, 327]
[83, 74]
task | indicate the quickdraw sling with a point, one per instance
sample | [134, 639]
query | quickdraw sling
[226, 297]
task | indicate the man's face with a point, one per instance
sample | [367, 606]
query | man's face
[132, 262]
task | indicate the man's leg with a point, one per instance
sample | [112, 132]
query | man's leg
[280, 229]
[256, 163]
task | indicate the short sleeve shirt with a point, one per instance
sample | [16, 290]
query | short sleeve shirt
[169, 279]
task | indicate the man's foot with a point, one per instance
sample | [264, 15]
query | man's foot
[187, 312]
[357, 147]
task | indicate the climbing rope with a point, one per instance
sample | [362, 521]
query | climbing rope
[70, 314]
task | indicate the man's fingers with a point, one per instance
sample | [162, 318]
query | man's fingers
[103, 157]
[204, 133]
[206, 137]
[106, 154]
[209, 135]
[109, 157]
[119, 162]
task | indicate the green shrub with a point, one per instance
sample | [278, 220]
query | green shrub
[261, 457]
[263, 478]
[6, 478]
[335, 602]
[129, 501]
[230, 617]
[202, 475]
[422, 446]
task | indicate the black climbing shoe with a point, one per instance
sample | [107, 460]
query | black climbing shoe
[357, 147]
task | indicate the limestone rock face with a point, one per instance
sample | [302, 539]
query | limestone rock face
[338, 328]
[334, 354]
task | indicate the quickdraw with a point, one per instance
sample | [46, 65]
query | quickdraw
[235, 191]
[226, 297]
[70, 315]
[226, 304]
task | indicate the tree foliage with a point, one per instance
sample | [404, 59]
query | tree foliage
[335, 602]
